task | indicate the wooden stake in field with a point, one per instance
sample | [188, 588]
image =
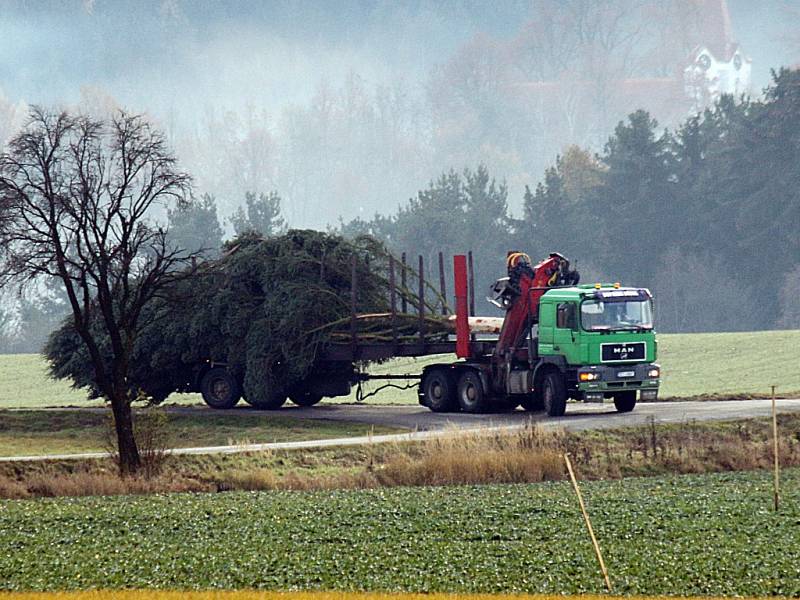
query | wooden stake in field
[775, 451]
[588, 522]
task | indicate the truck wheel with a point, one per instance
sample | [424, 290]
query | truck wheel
[554, 394]
[625, 401]
[220, 389]
[439, 391]
[305, 398]
[471, 396]
[533, 402]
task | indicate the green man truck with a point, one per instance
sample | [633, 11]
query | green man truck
[558, 340]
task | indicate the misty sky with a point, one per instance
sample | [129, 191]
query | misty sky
[155, 55]
[175, 59]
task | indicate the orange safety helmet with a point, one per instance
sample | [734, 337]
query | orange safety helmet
[514, 258]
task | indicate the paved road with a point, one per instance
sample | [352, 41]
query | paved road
[425, 424]
[579, 415]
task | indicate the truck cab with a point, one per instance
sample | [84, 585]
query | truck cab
[603, 336]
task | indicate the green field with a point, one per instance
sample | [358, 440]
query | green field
[693, 364]
[688, 535]
[24, 432]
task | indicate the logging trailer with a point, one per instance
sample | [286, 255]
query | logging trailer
[558, 340]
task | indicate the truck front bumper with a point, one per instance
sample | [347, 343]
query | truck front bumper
[619, 378]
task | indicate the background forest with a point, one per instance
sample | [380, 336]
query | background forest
[449, 126]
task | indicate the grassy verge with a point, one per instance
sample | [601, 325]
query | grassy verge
[524, 456]
[29, 432]
[689, 535]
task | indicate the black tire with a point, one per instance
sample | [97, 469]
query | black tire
[220, 389]
[439, 391]
[533, 402]
[305, 398]
[471, 395]
[554, 394]
[625, 401]
[273, 402]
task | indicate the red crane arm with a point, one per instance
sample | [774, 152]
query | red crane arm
[526, 285]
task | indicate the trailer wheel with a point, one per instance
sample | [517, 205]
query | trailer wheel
[625, 401]
[273, 402]
[554, 394]
[305, 398]
[471, 395]
[439, 390]
[220, 389]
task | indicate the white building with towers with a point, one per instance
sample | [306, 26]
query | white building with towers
[718, 66]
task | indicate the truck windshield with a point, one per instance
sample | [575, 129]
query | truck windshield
[597, 315]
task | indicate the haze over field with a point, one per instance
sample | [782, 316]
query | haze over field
[349, 108]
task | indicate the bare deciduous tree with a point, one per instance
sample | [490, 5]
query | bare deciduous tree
[75, 198]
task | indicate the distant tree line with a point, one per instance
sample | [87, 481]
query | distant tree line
[707, 215]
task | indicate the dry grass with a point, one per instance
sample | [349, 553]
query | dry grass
[12, 489]
[153, 440]
[528, 455]
[524, 456]
[102, 482]
[257, 479]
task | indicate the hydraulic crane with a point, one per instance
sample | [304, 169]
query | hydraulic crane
[593, 342]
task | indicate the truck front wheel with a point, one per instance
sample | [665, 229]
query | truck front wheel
[554, 394]
[220, 389]
[625, 401]
[440, 393]
[471, 395]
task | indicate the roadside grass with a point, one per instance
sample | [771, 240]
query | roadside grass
[528, 455]
[680, 535]
[730, 363]
[24, 383]
[702, 364]
[32, 432]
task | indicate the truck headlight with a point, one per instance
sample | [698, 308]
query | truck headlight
[654, 373]
[588, 376]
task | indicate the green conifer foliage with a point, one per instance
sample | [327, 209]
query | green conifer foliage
[265, 308]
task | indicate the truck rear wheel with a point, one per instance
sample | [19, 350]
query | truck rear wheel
[471, 395]
[554, 394]
[305, 398]
[220, 389]
[533, 402]
[439, 391]
[625, 401]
